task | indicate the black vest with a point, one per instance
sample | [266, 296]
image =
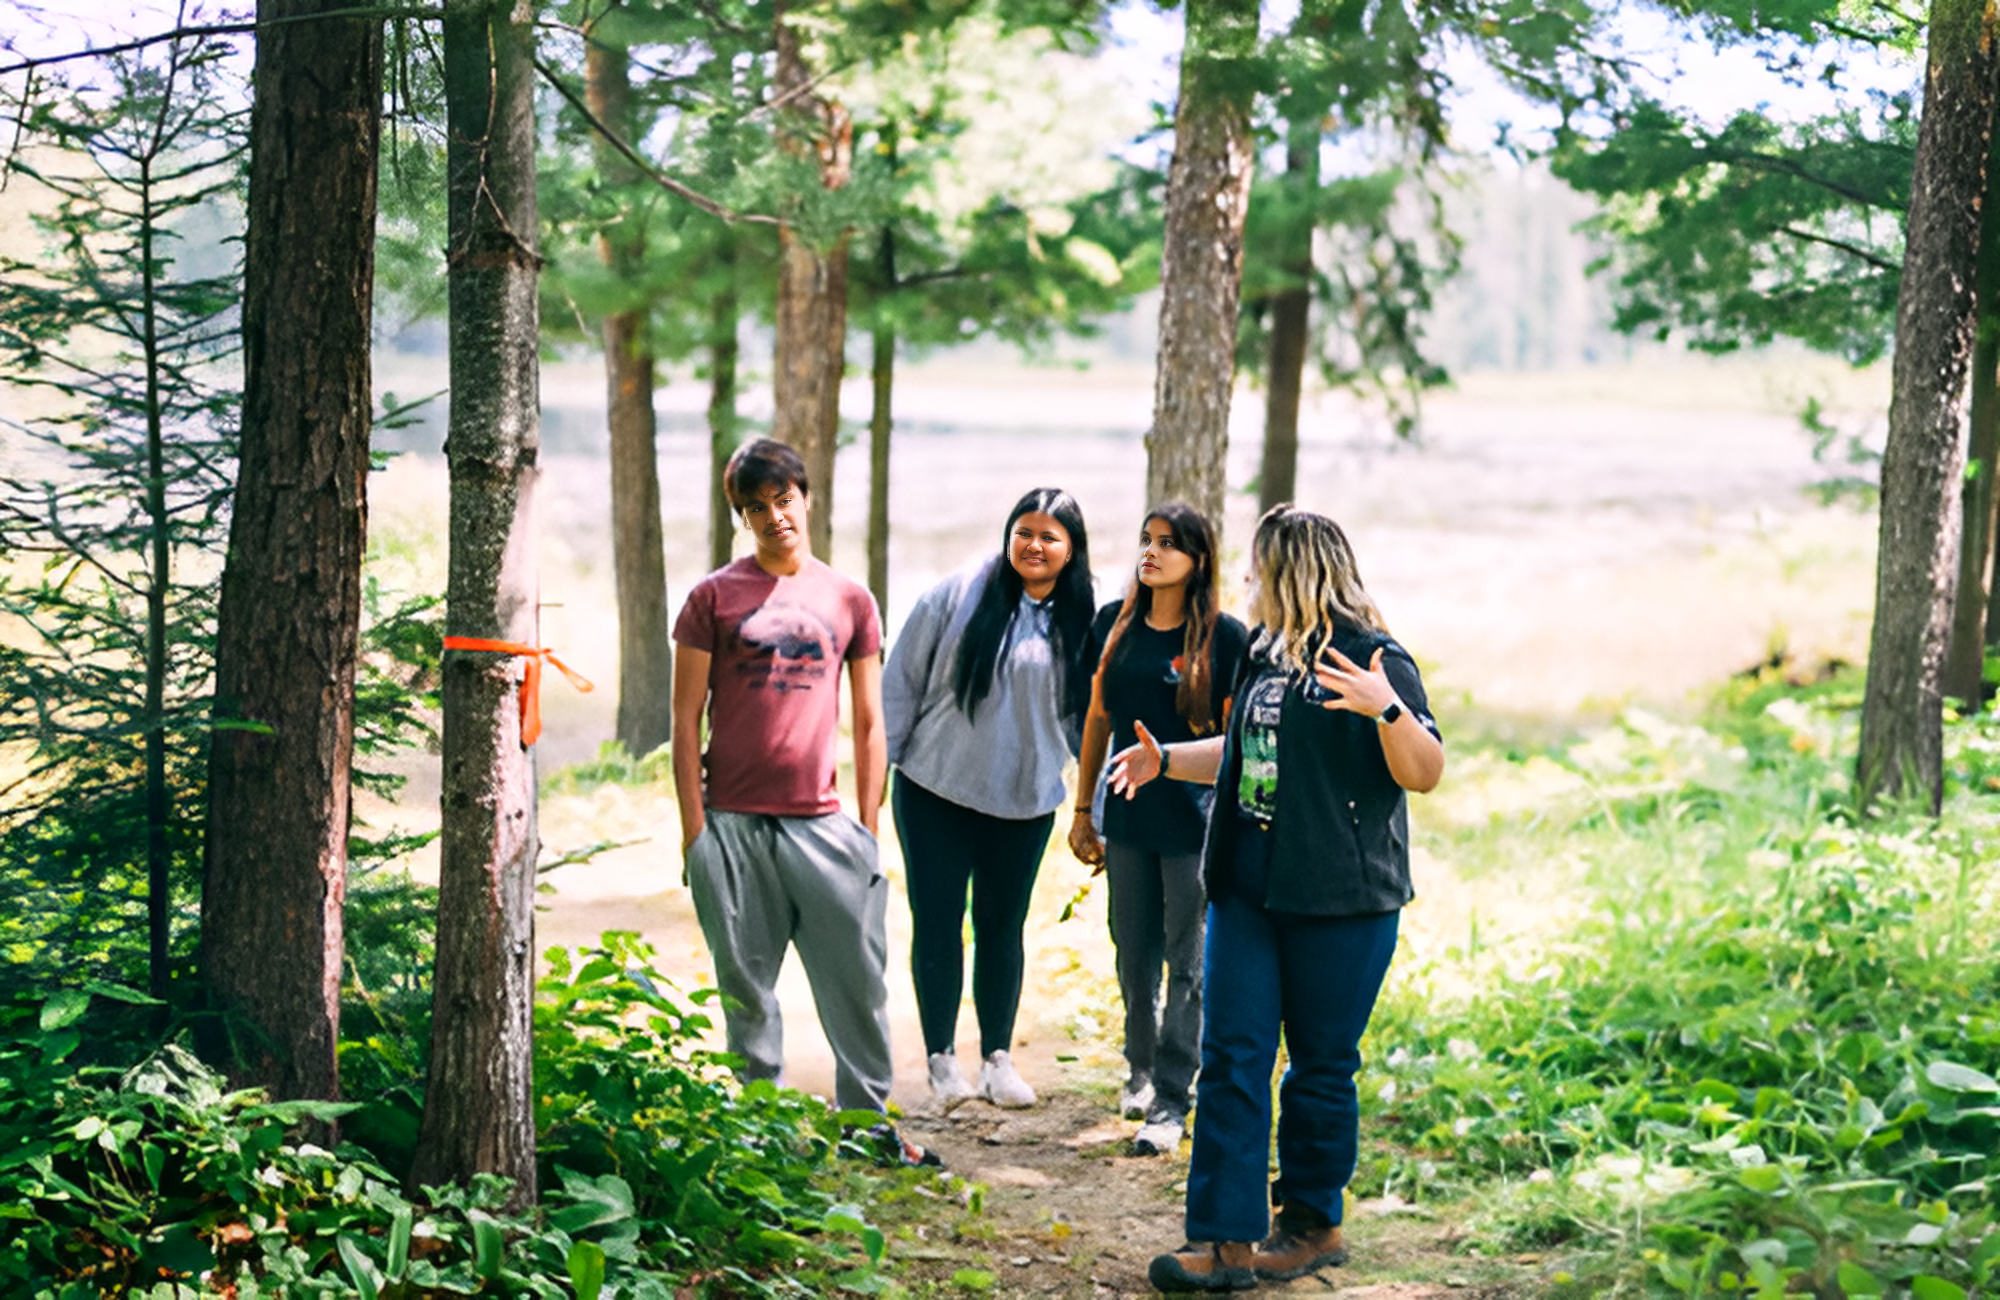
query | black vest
[1342, 833]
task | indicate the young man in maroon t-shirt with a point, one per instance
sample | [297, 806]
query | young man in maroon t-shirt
[770, 857]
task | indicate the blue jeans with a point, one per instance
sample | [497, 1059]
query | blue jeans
[1317, 979]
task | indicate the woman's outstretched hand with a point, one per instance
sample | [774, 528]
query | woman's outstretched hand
[1084, 841]
[1355, 689]
[1133, 767]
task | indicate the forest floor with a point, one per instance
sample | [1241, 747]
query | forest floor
[1065, 1210]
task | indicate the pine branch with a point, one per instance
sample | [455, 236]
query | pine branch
[644, 164]
[220, 29]
[1853, 250]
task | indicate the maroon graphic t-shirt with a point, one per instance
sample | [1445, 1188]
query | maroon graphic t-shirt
[774, 681]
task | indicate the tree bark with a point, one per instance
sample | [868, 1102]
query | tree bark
[478, 1111]
[288, 627]
[1965, 666]
[1201, 264]
[881, 424]
[638, 548]
[1901, 751]
[722, 354]
[812, 288]
[1291, 311]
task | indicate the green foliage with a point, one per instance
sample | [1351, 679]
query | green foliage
[657, 1173]
[647, 1140]
[1765, 1055]
[614, 765]
[119, 339]
[1758, 230]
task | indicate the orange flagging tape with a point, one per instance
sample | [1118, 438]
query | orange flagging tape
[531, 681]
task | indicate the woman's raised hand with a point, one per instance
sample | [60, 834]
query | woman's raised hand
[1133, 767]
[1355, 689]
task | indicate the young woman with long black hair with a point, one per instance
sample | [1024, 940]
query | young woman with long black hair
[984, 696]
[1168, 659]
[1307, 867]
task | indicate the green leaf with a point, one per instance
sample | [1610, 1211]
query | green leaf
[1762, 1178]
[972, 1279]
[1926, 1287]
[64, 1009]
[598, 1201]
[596, 970]
[289, 1113]
[586, 1269]
[399, 1243]
[179, 1248]
[1959, 1078]
[1856, 1280]
[155, 1161]
[120, 993]
[360, 1269]
[486, 1246]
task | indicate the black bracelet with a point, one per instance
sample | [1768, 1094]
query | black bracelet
[1166, 759]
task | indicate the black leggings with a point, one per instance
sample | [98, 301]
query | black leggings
[946, 846]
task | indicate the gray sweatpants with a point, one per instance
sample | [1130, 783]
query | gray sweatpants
[761, 882]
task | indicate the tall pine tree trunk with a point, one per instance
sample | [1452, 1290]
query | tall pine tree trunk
[1201, 265]
[881, 423]
[1965, 666]
[1901, 722]
[638, 549]
[812, 288]
[287, 632]
[1291, 311]
[722, 354]
[478, 1111]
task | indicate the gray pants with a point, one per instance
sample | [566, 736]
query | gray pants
[1156, 914]
[761, 882]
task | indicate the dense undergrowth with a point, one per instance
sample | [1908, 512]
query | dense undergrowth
[1761, 1062]
[154, 1178]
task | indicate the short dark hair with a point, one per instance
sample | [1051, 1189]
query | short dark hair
[762, 463]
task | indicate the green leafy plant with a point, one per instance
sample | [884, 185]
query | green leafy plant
[1765, 1056]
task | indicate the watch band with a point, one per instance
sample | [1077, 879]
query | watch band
[1166, 759]
[1387, 717]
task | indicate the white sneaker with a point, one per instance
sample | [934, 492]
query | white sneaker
[948, 1082]
[1135, 1097]
[1157, 1137]
[1002, 1083]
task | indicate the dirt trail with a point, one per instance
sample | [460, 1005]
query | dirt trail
[1068, 1212]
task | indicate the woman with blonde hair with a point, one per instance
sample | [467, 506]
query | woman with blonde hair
[1307, 868]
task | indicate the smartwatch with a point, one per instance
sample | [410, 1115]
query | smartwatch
[1388, 716]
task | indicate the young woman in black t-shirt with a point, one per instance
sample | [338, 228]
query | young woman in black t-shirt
[1167, 657]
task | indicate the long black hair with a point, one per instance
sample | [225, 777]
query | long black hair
[1195, 700]
[978, 661]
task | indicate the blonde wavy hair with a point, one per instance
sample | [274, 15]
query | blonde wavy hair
[1305, 584]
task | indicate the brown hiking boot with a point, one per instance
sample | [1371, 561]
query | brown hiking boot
[1297, 1248]
[1205, 1266]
